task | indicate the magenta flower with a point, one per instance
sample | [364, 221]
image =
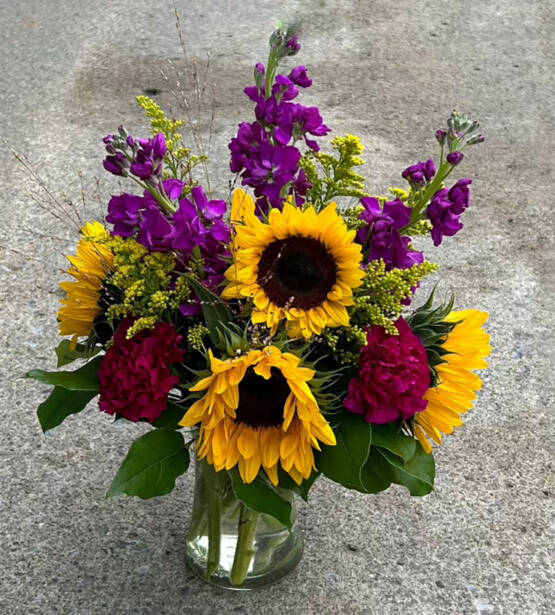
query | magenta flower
[393, 376]
[135, 376]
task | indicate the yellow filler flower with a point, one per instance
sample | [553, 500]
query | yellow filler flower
[89, 268]
[300, 266]
[258, 411]
[468, 345]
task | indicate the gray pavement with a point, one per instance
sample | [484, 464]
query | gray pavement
[390, 72]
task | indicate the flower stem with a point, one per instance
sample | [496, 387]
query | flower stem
[244, 551]
[214, 511]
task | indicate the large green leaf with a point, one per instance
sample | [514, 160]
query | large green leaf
[375, 474]
[152, 464]
[83, 379]
[344, 461]
[66, 355]
[213, 308]
[417, 475]
[60, 404]
[389, 437]
[261, 497]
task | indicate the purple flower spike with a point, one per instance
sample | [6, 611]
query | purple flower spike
[455, 158]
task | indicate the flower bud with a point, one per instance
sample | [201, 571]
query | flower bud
[455, 158]
[440, 136]
[476, 139]
[292, 46]
[259, 75]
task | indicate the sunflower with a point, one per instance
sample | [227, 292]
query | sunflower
[468, 345]
[300, 266]
[89, 268]
[258, 411]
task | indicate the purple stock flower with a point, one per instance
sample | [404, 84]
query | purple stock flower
[446, 208]
[255, 93]
[127, 212]
[124, 212]
[381, 235]
[459, 195]
[455, 158]
[149, 157]
[299, 77]
[271, 165]
[284, 88]
[115, 164]
[308, 120]
[420, 172]
[249, 137]
[156, 233]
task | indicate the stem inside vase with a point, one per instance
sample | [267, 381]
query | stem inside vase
[232, 546]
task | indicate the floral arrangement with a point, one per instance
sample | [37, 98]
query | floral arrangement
[273, 332]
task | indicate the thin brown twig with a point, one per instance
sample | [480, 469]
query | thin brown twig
[32, 258]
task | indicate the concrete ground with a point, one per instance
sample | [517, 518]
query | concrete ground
[390, 72]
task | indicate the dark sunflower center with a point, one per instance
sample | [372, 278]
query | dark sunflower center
[297, 272]
[261, 401]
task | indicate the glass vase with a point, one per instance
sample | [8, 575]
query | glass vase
[233, 546]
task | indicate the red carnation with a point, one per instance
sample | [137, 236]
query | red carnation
[393, 376]
[135, 376]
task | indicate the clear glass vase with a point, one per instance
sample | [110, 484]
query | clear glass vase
[232, 546]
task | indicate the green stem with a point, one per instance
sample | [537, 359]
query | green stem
[244, 550]
[214, 511]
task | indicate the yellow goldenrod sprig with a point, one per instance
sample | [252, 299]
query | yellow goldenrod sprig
[380, 299]
[339, 177]
[148, 288]
[179, 160]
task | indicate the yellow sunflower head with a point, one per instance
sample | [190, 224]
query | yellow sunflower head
[300, 266]
[89, 267]
[258, 411]
[468, 346]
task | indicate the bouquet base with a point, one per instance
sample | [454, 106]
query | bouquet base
[230, 545]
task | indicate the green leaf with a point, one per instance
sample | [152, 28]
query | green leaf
[66, 355]
[261, 497]
[60, 404]
[375, 475]
[170, 418]
[286, 482]
[389, 437]
[83, 379]
[152, 464]
[214, 310]
[417, 475]
[344, 461]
